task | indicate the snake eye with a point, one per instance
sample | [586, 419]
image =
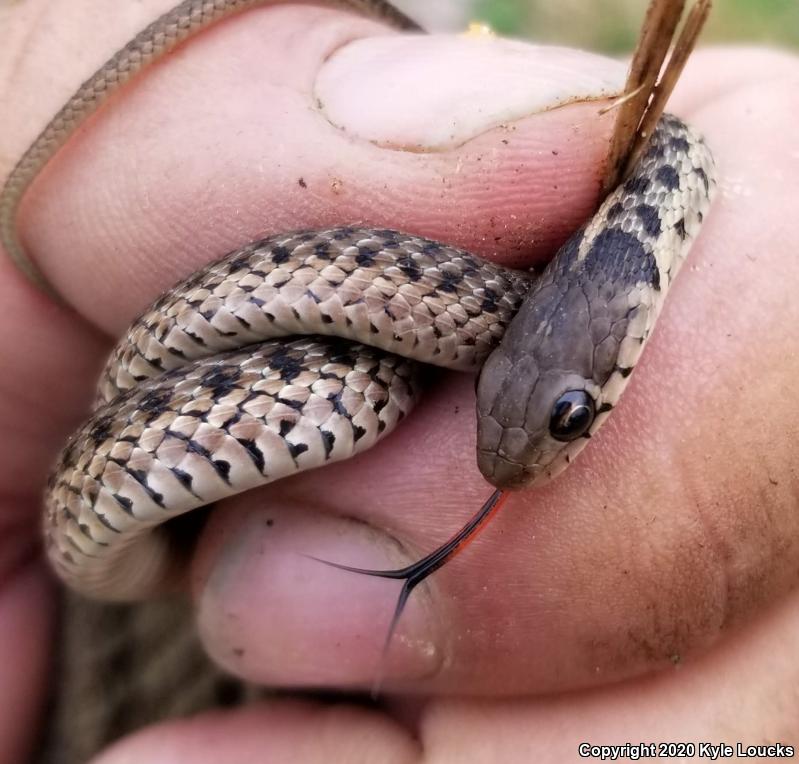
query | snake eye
[571, 416]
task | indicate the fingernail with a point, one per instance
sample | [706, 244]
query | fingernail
[438, 91]
[270, 614]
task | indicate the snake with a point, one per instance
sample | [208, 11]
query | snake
[305, 348]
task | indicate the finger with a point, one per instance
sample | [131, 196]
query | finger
[676, 525]
[26, 616]
[732, 72]
[743, 694]
[273, 732]
[197, 158]
[49, 360]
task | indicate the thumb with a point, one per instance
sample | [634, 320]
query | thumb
[294, 117]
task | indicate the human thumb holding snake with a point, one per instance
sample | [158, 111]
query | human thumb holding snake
[660, 564]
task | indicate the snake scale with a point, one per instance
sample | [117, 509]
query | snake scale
[302, 349]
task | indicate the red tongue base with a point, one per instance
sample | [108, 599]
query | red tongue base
[414, 574]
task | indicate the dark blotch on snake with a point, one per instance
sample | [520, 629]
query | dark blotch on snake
[328, 441]
[410, 268]
[615, 211]
[184, 478]
[286, 365]
[637, 185]
[668, 177]
[703, 175]
[221, 380]
[650, 219]
[620, 256]
[295, 449]
[322, 250]
[255, 453]
[449, 282]
[195, 338]
[280, 255]
[679, 144]
[100, 430]
[489, 304]
[296, 405]
[140, 476]
[155, 402]
[124, 502]
[196, 448]
[338, 406]
[222, 468]
[366, 255]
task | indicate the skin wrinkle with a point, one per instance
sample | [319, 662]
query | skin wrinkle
[509, 125]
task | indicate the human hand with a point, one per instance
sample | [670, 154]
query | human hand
[670, 539]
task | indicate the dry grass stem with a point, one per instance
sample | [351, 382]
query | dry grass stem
[645, 96]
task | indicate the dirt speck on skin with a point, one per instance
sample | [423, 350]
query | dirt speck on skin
[301, 183]
[336, 185]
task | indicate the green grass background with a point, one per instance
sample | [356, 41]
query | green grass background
[612, 25]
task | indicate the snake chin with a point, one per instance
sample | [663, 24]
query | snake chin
[502, 471]
[505, 457]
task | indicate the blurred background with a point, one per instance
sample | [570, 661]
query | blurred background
[609, 26]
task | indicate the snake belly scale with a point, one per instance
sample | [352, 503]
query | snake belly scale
[211, 392]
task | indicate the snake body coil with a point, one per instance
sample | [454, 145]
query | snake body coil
[199, 402]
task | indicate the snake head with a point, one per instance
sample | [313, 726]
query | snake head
[563, 362]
